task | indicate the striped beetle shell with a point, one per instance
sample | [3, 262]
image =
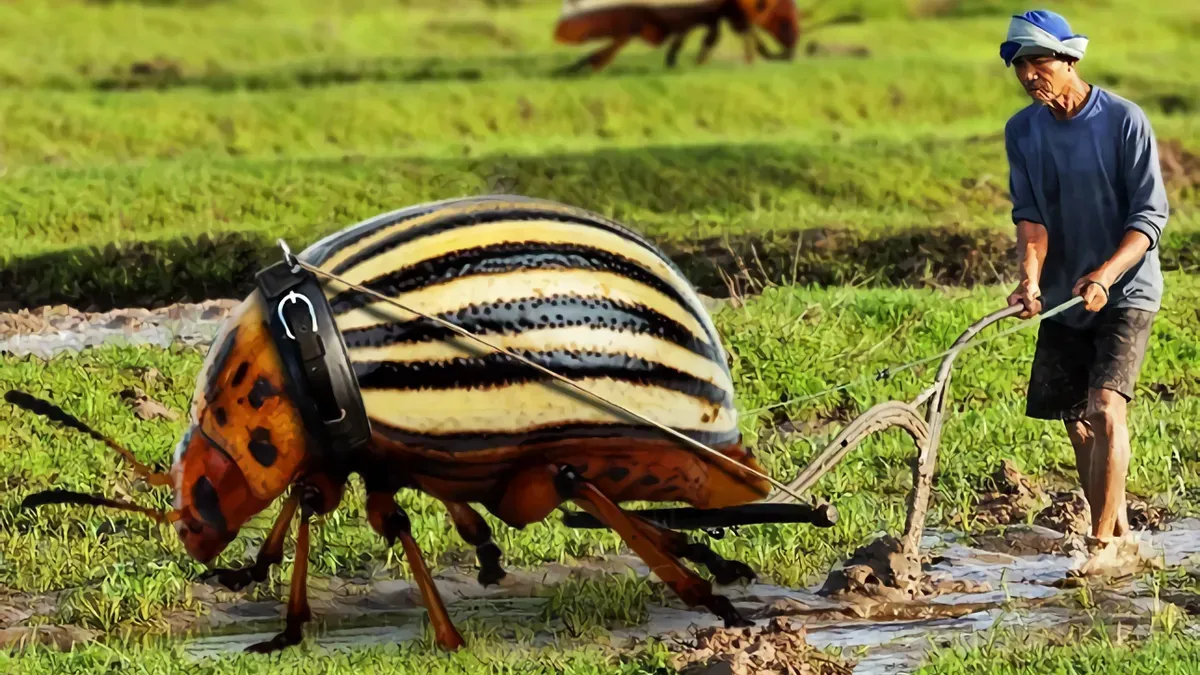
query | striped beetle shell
[566, 288]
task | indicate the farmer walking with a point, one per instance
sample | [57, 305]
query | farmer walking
[1089, 206]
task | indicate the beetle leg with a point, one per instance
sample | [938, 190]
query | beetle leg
[597, 60]
[673, 49]
[749, 41]
[475, 531]
[710, 41]
[270, 554]
[298, 612]
[691, 588]
[389, 520]
[724, 571]
[766, 53]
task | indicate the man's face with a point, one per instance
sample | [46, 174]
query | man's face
[1044, 77]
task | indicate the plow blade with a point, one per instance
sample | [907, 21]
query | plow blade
[824, 515]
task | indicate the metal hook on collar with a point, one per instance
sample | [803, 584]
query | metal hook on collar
[290, 259]
[296, 297]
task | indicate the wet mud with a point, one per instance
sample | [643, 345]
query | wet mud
[777, 649]
[965, 591]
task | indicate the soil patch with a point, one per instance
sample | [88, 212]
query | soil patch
[880, 572]
[53, 319]
[779, 648]
[1181, 169]
[1060, 519]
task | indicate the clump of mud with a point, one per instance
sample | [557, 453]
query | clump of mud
[776, 649]
[1016, 497]
[881, 572]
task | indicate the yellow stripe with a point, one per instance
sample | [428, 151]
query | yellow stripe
[516, 285]
[447, 212]
[571, 339]
[547, 232]
[527, 406]
[573, 8]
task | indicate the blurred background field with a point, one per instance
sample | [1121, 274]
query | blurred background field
[129, 130]
[152, 152]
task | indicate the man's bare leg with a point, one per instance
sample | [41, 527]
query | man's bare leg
[1109, 463]
[1081, 440]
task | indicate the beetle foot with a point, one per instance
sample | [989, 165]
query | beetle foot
[728, 572]
[233, 579]
[724, 571]
[490, 571]
[287, 638]
[722, 607]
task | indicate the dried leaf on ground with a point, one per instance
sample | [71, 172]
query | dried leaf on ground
[145, 407]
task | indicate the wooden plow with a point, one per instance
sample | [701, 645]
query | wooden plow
[779, 507]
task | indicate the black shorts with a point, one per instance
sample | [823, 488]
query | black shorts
[1069, 361]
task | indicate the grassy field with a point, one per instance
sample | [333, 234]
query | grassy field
[122, 572]
[336, 113]
[152, 152]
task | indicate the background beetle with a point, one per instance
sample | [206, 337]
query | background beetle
[308, 382]
[656, 21]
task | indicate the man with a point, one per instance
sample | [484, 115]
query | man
[1090, 206]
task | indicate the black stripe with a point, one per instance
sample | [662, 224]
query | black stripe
[320, 252]
[538, 209]
[500, 259]
[323, 250]
[454, 221]
[516, 316]
[497, 370]
[474, 442]
[212, 389]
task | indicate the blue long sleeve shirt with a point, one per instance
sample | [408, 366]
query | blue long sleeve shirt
[1089, 180]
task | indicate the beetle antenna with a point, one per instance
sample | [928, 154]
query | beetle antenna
[49, 410]
[57, 496]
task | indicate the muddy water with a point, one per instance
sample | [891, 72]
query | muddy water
[884, 638]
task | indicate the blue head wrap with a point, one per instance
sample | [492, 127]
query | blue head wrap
[1041, 32]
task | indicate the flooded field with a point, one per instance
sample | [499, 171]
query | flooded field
[1022, 592]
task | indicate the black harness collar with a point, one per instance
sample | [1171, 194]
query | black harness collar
[316, 365]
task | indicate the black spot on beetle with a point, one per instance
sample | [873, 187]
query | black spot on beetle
[261, 391]
[222, 418]
[617, 473]
[212, 390]
[649, 479]
[240, 374]
[208, 503]
[261, 447]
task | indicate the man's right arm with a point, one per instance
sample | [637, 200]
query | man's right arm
[1032, 238]
[1032, 242]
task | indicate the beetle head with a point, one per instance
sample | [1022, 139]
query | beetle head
[247, 440]
[782, 21]
[245, 444]
[779, 18]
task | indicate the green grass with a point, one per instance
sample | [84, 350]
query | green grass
[152, 151]
[278, 44]
[889, 211]
[903, 145]
[493, 656]
[1097, 652]
[788, 342]
[440, 119]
